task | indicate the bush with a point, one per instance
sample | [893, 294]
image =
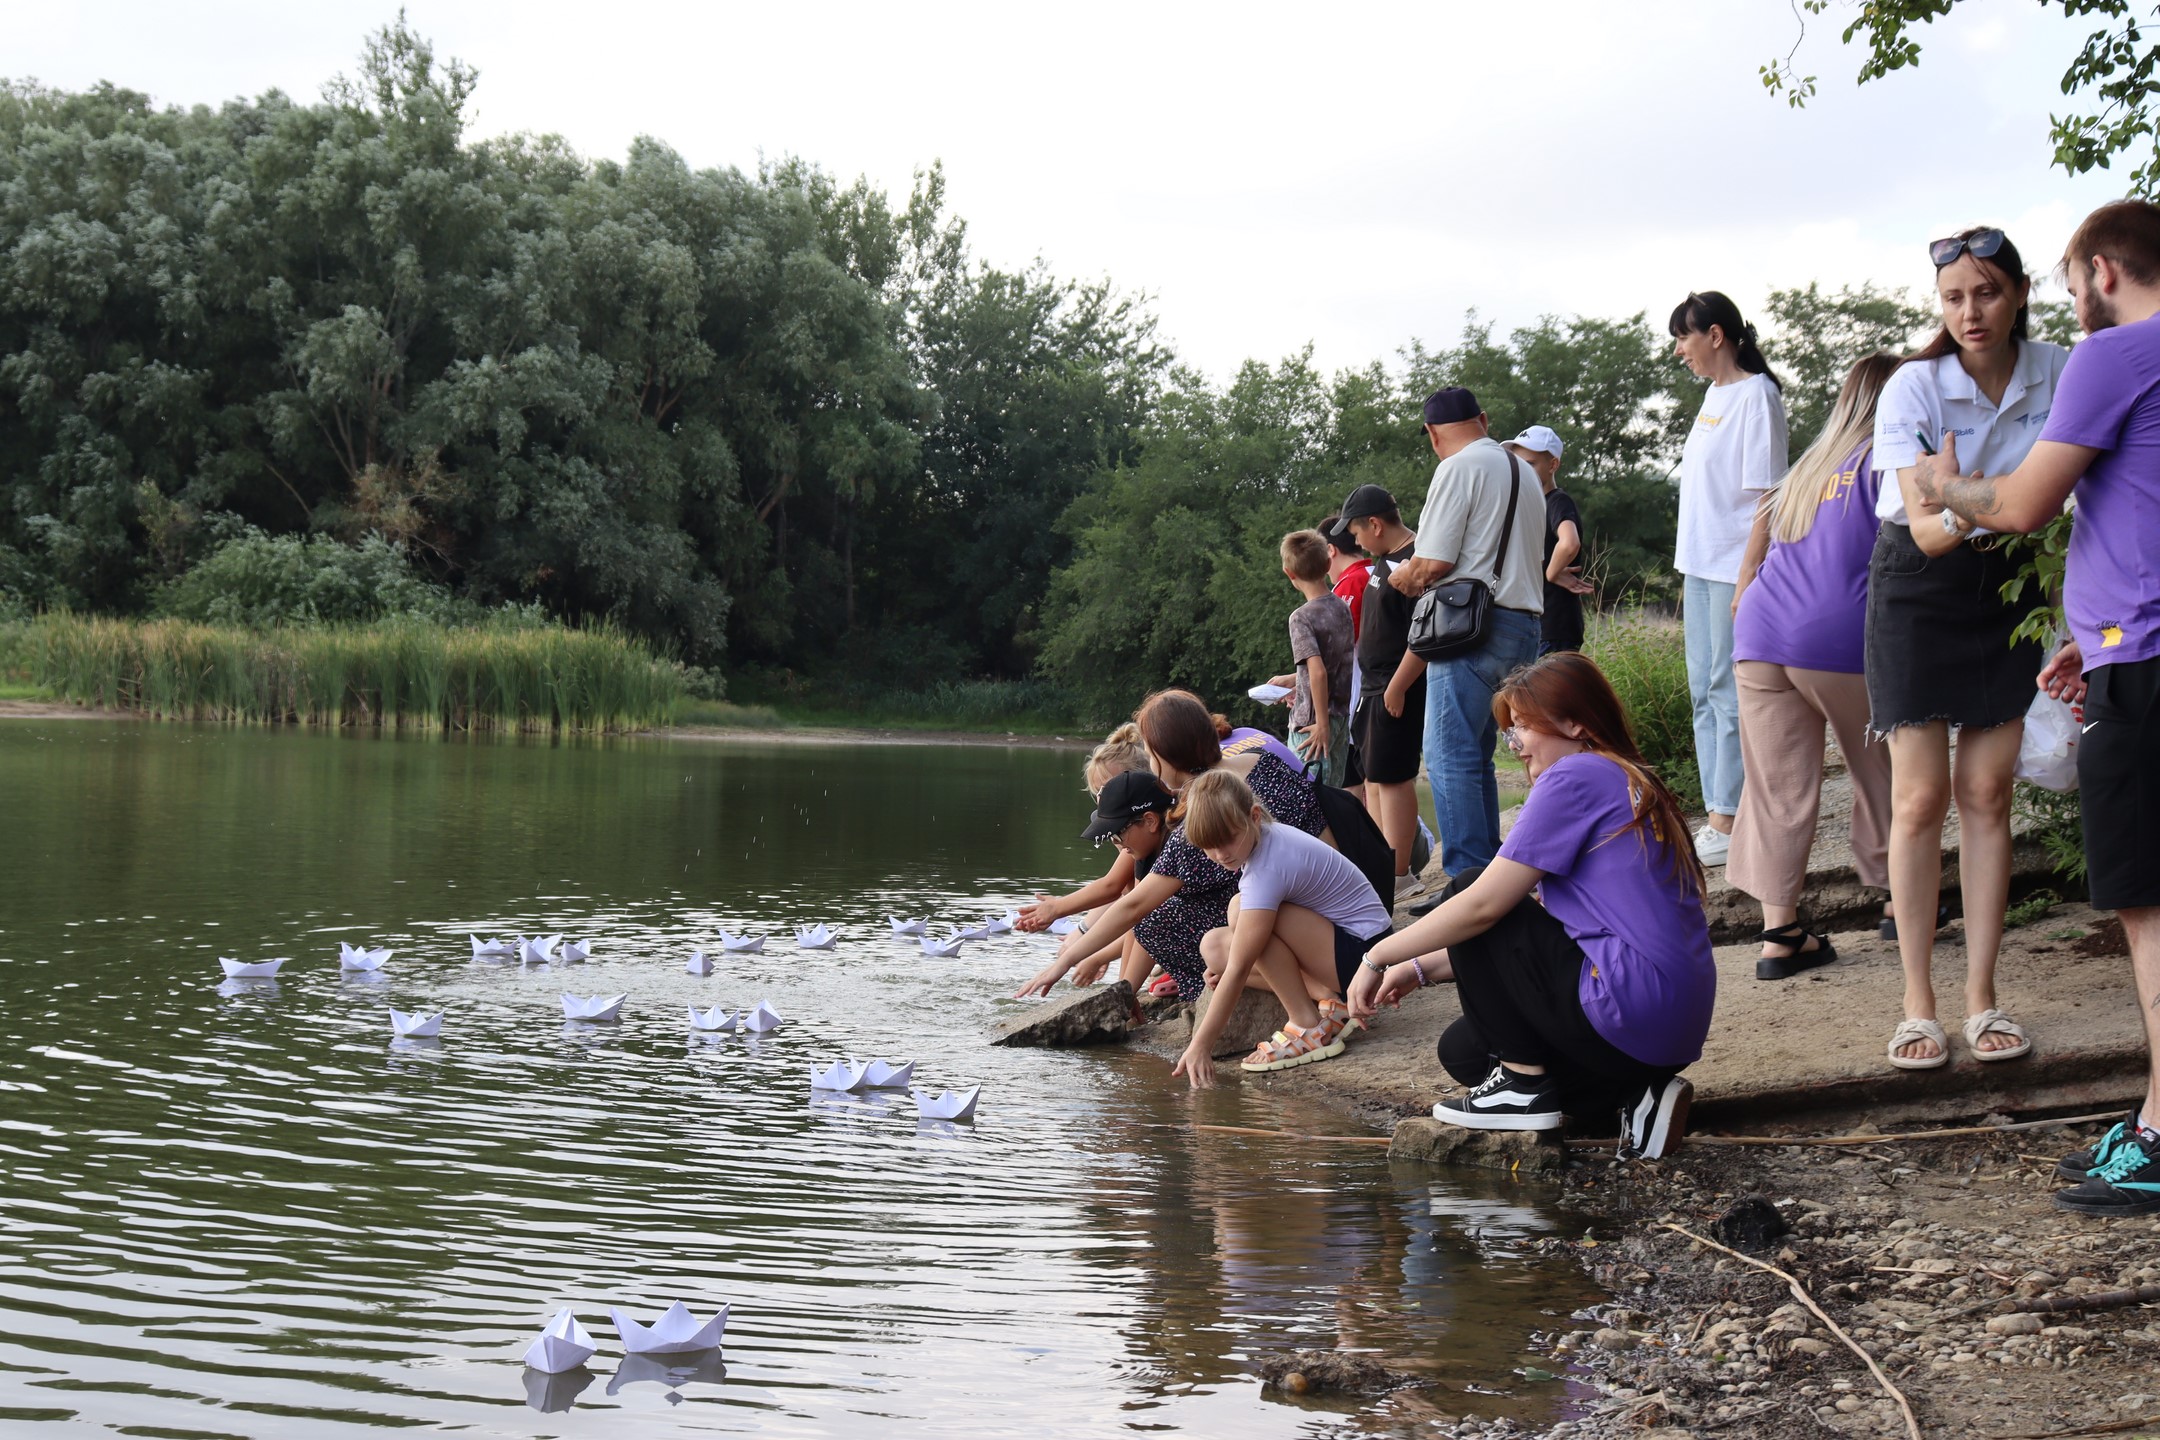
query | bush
[1644, 655]
[258, 580]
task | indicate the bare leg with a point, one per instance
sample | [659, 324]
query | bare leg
[1985, 761]
[1133, 968]
[1919, 799]
[1310, 938]
[1396, 812]
[2142, 927]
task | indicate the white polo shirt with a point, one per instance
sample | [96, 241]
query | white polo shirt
[1937, 396]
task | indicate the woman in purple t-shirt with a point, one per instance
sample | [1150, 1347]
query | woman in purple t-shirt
[1799, 642]
[1601, 994]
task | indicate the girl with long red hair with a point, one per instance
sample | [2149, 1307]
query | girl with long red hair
[1596, 989]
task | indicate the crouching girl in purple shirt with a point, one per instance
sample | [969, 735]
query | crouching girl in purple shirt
[1598, 991]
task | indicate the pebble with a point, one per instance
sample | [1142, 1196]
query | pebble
[2015, 1325]
[1613, 1340]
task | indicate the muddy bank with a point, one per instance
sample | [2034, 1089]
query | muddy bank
[871, 735]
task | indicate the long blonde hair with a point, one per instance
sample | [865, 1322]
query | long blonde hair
[1119, 752]
[1219, 809]
[1801, 493]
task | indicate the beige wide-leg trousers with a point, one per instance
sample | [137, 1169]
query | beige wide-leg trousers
[1782, 714]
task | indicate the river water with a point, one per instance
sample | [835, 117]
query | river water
[239, 1210]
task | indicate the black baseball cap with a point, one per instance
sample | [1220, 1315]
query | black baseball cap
[1365, 502]
[1451, 406]
[1125, 799]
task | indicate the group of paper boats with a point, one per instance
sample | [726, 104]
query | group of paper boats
[546, 950]
[850, 1076]
[949, 944]
[565, 1344]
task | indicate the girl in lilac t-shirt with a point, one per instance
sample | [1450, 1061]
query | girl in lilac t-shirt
[1602, 993]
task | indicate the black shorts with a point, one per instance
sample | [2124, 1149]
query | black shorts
[1353, 773]
[1391, 748]
[2118, 764]
[1349, 954]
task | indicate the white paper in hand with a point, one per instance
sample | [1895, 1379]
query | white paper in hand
[1270, 694]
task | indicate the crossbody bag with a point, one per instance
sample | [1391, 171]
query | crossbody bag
[1453, 616]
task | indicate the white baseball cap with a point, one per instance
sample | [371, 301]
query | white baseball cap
[1541, 438]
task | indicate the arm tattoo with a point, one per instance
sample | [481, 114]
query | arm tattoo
[1972, 498]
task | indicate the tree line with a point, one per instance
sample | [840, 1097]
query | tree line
[284, 360]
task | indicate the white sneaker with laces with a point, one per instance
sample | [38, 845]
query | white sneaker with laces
[1712, 846]
[1408, 888]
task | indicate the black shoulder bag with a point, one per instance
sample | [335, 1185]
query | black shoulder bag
[1452, 617]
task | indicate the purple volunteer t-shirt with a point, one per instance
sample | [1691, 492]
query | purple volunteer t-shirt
[1244, 739]
[2109, 399]
[1648, 977]
[1807, 607]
[1289, 867]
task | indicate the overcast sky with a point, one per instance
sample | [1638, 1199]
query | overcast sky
[1349, 176]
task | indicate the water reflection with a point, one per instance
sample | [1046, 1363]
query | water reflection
[550, 1394]
[671, 1371]
[239, 1201]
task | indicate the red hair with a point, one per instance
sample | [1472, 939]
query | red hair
[1567, 687]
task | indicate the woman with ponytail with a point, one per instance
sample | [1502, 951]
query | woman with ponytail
[1735, 452]
[1596, 992]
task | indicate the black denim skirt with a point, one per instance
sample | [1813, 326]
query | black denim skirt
[1938, 636]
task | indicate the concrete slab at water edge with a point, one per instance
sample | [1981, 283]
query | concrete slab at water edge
[1809, 1051]
[1097, 1015]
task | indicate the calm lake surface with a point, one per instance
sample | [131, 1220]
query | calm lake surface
[234, 1210]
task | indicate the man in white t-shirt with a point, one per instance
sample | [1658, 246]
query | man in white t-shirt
[1460, 534]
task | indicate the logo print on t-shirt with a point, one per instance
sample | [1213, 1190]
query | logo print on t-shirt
[2110, 635]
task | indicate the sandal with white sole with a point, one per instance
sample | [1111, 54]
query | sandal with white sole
[1994, 1022]
[1907, 1032]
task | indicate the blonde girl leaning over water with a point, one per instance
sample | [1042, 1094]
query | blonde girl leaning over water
[1120, 752]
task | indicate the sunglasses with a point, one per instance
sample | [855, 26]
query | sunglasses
[1512, 737]
[1980, 245]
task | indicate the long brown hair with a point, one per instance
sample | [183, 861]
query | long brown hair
[2008, 267]
[1178, 729]
[1567, 687]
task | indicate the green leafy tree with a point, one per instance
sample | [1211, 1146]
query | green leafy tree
[1818, 337]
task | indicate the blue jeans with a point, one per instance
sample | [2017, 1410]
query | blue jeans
[1459, 736]
[1706, 614]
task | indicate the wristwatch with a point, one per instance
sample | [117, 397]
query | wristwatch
[1954, 526]
[1373, 965]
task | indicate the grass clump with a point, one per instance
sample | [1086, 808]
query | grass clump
[401, 673]
[1644, 655]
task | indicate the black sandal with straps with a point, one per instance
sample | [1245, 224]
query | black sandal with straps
[1784, 967]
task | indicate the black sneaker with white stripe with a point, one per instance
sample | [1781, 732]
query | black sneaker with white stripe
[1507, 1100]
[1650, 1129]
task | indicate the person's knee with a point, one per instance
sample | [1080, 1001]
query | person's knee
[1215, 949]
[1462, 881]
[1464, 1053]
[1919, 805]
[1983, 797]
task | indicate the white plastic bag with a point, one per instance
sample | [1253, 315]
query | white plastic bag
[2047, 756]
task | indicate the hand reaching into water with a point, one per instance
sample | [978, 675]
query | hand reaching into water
[1045, 979]
[1197, 1066]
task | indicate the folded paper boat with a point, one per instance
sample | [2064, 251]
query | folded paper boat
[596, 1008]
[763, 1018]
[1065, 926]
[952, 1105]
[355, 957]
[1004, 923]
[253, 970]
[814, 937]
[717, 1018]
[888, 1074]
[840, 1075]
[492, 949]
[416, 1026]
[575, 954]
[950, 945]
[699, 963]
[907, 927]
[538, 952]
[676, 1332]
[563, 1345]
[742, 944]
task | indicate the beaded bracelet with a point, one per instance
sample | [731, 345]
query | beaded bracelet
[1420, 971]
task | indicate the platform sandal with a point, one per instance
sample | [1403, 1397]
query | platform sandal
[1795, 938]
[1292, 1047]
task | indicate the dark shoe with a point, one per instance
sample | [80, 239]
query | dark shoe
[1784, 967]
[1888, 928]
[1650, 1129]
[1430, 903]
[2128, 1184]
[2079, 1164]
[1506, 1101]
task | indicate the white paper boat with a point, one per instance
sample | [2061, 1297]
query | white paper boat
[950, 945]
[814, 937]
[253, 970]
[742, 944]
[416, 1026]
[573, 953]
[952, 1105]
[354, 957]
[762, 1019]
[717, 1018]
[492, 949]
[888, 1074]
[907, 927]
[973, 932]
[538, 952]
[676, 1332]
[563, 1345]
[840, 1075]
[1269, 694]
[598, 1009]
[1065, 926]
[699, 964]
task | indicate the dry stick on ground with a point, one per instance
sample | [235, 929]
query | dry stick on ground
[2112, 1427]
[1800, 1293]
[1773, 1140]
[2059, 1304]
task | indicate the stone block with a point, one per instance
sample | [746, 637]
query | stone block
[1518, 1150]
[1097, 1015]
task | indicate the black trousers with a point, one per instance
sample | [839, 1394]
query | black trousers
[1519, 984]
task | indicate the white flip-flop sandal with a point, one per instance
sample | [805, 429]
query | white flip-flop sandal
[1909, 1030]
[1994, 1022]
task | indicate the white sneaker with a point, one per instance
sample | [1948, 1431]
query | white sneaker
[1408, 888]
[1712, 846]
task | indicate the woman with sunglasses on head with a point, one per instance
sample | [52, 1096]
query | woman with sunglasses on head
[1735, 452]
[1939, 657]
[1596, 991]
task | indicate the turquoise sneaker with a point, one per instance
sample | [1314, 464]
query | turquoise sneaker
[2128, 1184]
[2080, 1164]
